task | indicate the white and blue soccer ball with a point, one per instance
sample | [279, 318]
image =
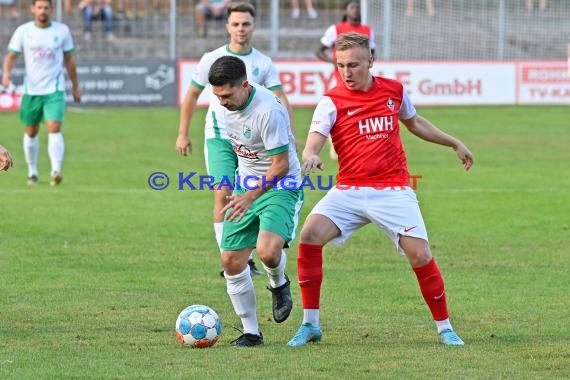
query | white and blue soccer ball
[198, 326]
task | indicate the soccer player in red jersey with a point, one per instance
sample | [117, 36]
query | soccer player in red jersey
[362, 116]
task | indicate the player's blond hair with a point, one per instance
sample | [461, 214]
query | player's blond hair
[351, 40]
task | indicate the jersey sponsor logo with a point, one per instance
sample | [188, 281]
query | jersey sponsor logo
[377, 136]
[390, 104]
[244, 152]
[376, 125]
[437, 298]
[352, 112]
[40, 53]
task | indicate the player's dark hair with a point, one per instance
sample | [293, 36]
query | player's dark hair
[227, 70]
[345, 7]
[241, 6]
[35, 1]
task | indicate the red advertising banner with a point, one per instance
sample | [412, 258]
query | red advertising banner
[9, 101]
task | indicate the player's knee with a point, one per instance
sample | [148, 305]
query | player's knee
[418, 255]
[269, 253]
[312, 235]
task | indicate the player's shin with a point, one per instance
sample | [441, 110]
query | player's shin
[31, 148]
[56, 149]
[242, 294]
[310, 269]
[277, 275]
[433, 290]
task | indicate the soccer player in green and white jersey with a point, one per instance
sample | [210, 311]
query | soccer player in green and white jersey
[221, 161]
[263, 211]
[47, 47]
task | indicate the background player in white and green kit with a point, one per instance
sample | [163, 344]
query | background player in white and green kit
[47, 47]
[221, 161]
[265, 215]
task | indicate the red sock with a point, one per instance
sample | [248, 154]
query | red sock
[431, 285]
[310, 269]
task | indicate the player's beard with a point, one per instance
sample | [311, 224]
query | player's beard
[42, 18]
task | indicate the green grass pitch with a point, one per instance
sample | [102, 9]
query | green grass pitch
[93, 273]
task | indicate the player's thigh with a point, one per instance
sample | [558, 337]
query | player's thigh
[31, 110]
[279, 211]
[221, 160]
[54, 107]
[238, 235]
[345, 208]
[396, 212]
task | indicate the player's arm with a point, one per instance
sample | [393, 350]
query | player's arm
[311, 159]
[425, 130]
[187, 109]
[323, 120]
[323, 53]
[281, 95]
[71, 66]
[327, 41]
[240, 203]
[7, 66]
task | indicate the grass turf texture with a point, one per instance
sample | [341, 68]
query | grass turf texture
[93, 273]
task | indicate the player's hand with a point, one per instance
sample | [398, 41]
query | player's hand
[465, 156]
[184, 145]
[311, 164]
[6, 161]
[239, 204]
[77, 95]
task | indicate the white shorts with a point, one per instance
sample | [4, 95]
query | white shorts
[396, 212]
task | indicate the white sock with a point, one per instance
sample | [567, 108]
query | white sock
[277, 275]
[311, 316]
[218, 230]
[443, 325]
[55, 151]
[31, 149]
[242, 294]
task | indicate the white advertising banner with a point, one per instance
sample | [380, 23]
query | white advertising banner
[443, 83]
[429, 83]
[544, 83]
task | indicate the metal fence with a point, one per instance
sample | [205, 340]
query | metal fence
[455, 30]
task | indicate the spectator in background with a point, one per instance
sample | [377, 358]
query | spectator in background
[296, 12]
[542, 5]
[6, 161]
[131, 9]
[97, 10]
[208, 10]
[429, 7]
[351, 22]
[9, 5]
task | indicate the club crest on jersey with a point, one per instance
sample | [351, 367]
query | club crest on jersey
[255, 71]
[247, 132]
[390, 104]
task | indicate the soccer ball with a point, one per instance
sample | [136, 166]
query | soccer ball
[198, 326]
